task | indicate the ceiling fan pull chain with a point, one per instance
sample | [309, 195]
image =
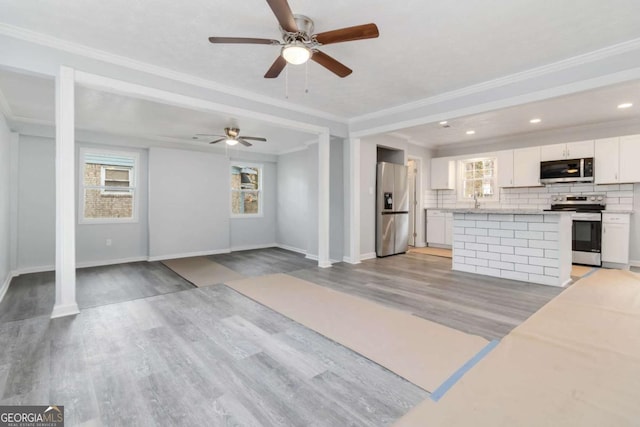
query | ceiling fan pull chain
[306, 77]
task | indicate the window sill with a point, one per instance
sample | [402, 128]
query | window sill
[104, 221]
[246, 216]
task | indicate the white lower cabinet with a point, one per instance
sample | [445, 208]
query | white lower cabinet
[448, 229]
[615, 238]
[436, 233]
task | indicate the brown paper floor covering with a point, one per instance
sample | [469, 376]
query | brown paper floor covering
[421, 351]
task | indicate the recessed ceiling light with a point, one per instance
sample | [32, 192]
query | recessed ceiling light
[534, 121]
[444, 122]
[471, 132]
[625, 105]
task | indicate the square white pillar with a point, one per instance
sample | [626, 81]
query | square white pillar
[324, 183]
[65, 303]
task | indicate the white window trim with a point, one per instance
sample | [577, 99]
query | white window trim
[460, 187]
[133, 186]
[103, 178]
[260, 190]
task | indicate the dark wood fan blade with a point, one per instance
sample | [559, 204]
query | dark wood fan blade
[276, 68]
[359, 32]
[246, 40]
[217, 140]
[284, 15]
[254, 138]
[245, 143]
[331, 64]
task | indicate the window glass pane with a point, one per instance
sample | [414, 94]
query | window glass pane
[101, 204]
[235, 178]
[236, 206]
[250, 202]
[249, 178]
[108, 182]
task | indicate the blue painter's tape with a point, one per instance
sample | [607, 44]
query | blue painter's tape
[445, 386]
[593, 270]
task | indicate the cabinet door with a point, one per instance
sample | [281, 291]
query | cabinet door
[448, 229]
[615, 242]
[526, 167]
[505, 168]
[442, 173]
[435, 230]
[553, 152]
[629, 155]
[579, 150]
[606, 168]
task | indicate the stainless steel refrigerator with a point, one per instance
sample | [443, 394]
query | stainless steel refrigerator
[392, 209]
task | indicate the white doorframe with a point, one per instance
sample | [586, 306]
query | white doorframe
[419, 229]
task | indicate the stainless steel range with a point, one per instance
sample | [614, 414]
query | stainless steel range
[587, 225]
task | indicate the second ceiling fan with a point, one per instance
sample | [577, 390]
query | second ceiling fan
[299, 43]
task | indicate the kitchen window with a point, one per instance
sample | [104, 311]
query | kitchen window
[478, 178]
[107, 186]
[246, 190]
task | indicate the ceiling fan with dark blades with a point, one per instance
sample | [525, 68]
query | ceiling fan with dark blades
[299, 43]
[232, 137]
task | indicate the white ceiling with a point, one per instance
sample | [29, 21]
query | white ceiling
[425, 49]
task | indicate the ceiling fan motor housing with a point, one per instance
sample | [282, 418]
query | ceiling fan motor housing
[305, 30]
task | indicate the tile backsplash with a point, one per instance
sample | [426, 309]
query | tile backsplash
[619, 196]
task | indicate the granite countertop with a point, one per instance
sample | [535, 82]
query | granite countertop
[503, 211]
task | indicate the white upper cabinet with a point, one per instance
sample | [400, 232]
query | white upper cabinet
[526, 167]
[443, 173]
[571, 150]
[505, 168]
[616, 160]
[606, 161]
[629, 155]
[519, 168]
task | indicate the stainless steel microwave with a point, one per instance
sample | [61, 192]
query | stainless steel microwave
[571, 170]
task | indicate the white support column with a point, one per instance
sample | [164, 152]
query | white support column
[65, 304]
[354, 200]
[324, 184]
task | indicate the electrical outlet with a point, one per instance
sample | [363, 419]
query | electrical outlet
[108, 242]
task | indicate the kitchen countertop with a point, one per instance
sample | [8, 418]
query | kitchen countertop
[501, 211]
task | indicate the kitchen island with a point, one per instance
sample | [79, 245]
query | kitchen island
[527, 245]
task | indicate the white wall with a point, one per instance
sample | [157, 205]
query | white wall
[36, 204]
[249, 233]
[292, 196]
[336, 201]
[312, 200]
[129, 241]
[5, 204]
[36, 214]
[188, 203]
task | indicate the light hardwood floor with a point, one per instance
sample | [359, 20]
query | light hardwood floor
[150, 349]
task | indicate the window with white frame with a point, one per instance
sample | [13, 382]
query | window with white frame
[478, 179]
[246, 190]
[107, 186]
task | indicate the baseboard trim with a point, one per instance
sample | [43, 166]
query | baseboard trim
[369, 255]
[348, 260]
[633, 263]
[64, 310]
[40, 269]
[421, 244]
[189, 254]
[325, 264]
[251, 247]
[88, 264]
[311, 257]
[291, 248]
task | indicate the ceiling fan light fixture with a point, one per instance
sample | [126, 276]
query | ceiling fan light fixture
[296, 53]
[231, 141]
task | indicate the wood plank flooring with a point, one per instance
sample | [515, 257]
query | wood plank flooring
[150, 349]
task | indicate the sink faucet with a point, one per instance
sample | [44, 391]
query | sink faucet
[476, 203]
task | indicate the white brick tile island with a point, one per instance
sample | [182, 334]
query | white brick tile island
[526, 245]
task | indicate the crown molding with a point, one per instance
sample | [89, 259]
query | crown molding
[100, 55]
[532, 73]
